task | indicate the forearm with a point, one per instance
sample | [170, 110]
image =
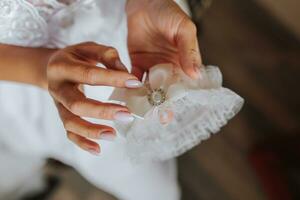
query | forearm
[25, 65]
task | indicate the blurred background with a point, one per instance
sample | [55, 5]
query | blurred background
[257, 155]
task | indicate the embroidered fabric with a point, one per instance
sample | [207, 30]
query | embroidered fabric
[28, 29]
[26, 22]
[199, 111]
[46, 8]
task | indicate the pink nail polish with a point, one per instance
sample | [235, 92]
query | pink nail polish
[133, 83]
[123, 117]
[166, 116]
[108, 135]
[197, 71]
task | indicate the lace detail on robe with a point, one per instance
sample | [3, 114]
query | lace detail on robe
[26, 22]
[21, 24]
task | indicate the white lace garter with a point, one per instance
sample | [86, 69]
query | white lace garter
[174, 113]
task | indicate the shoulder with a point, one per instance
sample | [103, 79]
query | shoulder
[21, 24]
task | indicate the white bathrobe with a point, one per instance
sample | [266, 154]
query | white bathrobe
[30, 128]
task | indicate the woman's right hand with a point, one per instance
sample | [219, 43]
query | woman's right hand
[73, 66]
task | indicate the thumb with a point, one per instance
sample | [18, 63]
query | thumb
[138, 72]
[187, 44]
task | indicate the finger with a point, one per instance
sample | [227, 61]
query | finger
[189, 53]
[147, 60]
[95, 53]
[73, 100]
[84, 128]
[84, 143]
[111, 59]
[85, 73]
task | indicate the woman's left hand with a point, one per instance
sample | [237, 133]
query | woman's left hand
[160, 32]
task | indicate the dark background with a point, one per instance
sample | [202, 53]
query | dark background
[256, 156]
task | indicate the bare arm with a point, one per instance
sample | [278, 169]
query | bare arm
[62, 72]
[25, 65]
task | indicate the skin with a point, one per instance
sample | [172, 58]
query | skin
[158, 32]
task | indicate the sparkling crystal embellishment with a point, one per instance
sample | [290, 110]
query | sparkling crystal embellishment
[156, 97]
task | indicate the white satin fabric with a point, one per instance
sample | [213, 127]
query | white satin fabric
[30, 129]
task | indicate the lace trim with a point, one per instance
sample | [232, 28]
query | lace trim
[197, 116]
[48, 8]
[45, 9]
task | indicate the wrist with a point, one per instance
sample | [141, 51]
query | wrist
[41, 75]
[26, 65]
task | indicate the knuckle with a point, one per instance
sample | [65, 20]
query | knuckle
[188, 26]
[117, 82]
[191, 26]
[68, 123]
[75, 106]
[110, 52]
[71, 136]
[92, 132]
[111, 49]
[116, 78]
[107, 112]
[88, 134]
[90, 75]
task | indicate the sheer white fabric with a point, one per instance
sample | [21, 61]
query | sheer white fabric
[199, 108]
[48, 22]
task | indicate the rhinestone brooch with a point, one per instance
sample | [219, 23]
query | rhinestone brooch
[156, 96]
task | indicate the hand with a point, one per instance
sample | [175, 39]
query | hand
[75, 65]
[160, 32]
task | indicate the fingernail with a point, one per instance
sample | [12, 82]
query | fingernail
[198, 73]
[133, 83]
[108, 135]
[166, 116]
[94, 152]
[196, 70]
[124, 117]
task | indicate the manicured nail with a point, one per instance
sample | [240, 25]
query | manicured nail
[198, 73]
[133, 83]
[196, 70]
[94, 152]
[166, 116]
[124, 117]
[108, 135]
